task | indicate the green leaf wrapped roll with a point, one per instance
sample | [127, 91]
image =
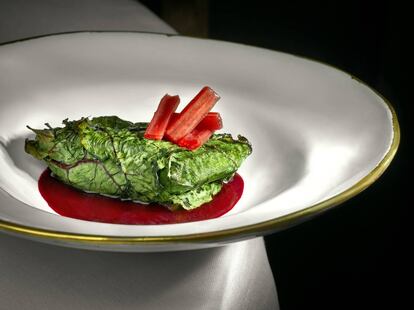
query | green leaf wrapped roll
[110, 156]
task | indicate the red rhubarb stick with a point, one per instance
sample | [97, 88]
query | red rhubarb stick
[192, 114]
[212, 120]
[199, 135]
[196, 138]
[156, 128]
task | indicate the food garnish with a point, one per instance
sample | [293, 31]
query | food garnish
[176, 160]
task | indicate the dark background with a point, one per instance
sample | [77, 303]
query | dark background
[356, 255]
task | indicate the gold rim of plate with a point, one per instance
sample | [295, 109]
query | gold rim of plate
[232, 233]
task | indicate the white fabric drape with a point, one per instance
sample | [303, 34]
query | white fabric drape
[40, 276]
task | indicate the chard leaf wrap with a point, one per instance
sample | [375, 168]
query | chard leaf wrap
[110, 156]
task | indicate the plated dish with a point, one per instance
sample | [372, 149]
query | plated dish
[320, 136]
[174, 169]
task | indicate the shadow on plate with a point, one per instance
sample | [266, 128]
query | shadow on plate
[22, 160]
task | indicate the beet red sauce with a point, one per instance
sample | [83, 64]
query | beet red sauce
[68, 201]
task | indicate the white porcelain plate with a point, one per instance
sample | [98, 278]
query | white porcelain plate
[319, 135]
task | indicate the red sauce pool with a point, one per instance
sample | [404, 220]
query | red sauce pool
[68, 201]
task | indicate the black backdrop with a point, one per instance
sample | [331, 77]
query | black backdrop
[354, 256]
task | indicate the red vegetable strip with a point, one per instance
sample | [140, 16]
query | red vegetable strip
[192, 114]
[211, 121]
[156, 128]
[173, 117]
[196, 138]
[199, 135]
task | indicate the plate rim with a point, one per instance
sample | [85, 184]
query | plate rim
[241, 232]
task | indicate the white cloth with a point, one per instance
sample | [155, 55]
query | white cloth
[40, 276]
